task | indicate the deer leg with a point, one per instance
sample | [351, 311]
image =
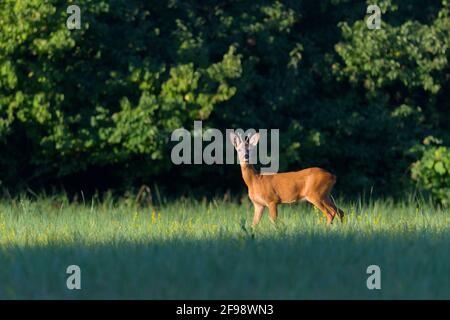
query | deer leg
[330, 207]
[335, 210]
[340, 214]
[273, 212]
[259, 210]
[318, 203]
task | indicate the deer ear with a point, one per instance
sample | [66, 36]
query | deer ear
[235, 140]
[254, 139]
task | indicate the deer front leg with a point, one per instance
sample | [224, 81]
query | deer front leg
[259, 210]
[317, 202]
[273, 213]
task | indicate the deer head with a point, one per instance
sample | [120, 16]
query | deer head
[244, 146]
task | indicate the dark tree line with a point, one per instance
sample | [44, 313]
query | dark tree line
[95, 107]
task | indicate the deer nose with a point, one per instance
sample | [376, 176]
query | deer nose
[246, 156]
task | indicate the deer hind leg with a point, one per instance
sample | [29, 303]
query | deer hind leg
[319, 204]
[273, 212]
[335, 210]
[259, 210]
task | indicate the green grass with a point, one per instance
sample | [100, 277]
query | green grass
[206, 250]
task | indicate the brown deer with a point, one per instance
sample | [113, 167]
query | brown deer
[268, 190]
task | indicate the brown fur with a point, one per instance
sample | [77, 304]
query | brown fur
[268, 190]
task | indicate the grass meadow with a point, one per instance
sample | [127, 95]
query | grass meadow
[207, 250]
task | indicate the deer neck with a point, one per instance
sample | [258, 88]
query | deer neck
[249, 174]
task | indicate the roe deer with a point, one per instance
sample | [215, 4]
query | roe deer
[268, 190]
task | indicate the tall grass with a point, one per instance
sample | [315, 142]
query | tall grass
[206, 249]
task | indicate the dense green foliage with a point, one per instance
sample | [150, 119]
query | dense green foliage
[432, 172]
[195, 250]
[96, 106]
